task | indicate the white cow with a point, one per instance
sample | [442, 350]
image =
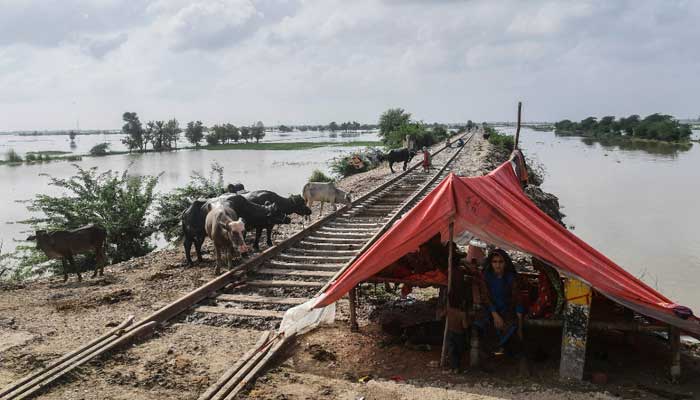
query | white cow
[325, 192]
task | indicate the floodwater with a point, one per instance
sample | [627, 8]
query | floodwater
[22, 144]
[637, 204]
[282, 171]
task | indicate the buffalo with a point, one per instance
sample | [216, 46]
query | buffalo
[293, 204]
[400, 155]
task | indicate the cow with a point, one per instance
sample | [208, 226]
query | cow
[235, 187]
[324, 192]
[193, 219]
[399, 155]
[64, 244]
[253, 215]
[257, 216]
[293, 204]
[225, 229]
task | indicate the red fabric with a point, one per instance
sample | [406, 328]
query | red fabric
[495, 209]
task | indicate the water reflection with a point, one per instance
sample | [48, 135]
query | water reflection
[652, 147]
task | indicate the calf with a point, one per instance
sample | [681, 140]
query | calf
[66, 244]
[257, 216]
[399, 155]
[293, 204]
[324, 192]
[225, 229]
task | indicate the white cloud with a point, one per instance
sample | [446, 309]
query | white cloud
[320, 60]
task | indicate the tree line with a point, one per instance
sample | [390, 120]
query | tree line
[163, 135]
[655, 127]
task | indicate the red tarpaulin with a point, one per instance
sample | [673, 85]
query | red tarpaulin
[495, 209]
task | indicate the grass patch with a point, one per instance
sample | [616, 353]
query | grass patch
[288, 145]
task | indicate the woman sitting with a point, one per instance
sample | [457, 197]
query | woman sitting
[503, 309]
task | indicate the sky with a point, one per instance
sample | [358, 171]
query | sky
[316, 61]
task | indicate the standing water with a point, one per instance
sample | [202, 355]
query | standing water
[636, 203]
[282, 171]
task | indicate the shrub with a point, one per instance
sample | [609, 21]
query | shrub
[500, 140]
[116, 201]
[99, 149]
[13, 157]
[319, 176]
[31, 157]
[170, 206]
[68, 158]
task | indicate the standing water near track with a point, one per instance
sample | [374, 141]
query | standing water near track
[636, 203]
[282, 171]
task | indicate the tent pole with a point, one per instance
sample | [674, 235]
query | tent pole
[443, 355]
[353, 309]
[517, 129]
[674, 337]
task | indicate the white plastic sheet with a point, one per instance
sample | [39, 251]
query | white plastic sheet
[304, 318]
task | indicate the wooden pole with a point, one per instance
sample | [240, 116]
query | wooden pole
[674, 337]
[443, 355]
[575, 333]
[353, 309]
[517, 129]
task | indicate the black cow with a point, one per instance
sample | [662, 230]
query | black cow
[235, 187]
[399, 155]
[257, 216]
[293, 204]
[193, 219]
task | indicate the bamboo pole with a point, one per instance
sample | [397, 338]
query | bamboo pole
[443, 354]
[517, 129]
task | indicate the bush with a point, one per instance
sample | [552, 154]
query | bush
[497, 139]
[170, 206]
[31, 157]
[319, 176]
[117, 202]
[13, 157]
[99, 149]
[68, 158]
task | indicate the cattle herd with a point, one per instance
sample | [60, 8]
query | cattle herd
[224, 220]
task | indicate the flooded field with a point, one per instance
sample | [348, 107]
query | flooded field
[284, 172]
[637, 203]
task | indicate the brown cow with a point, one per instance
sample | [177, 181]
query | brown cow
[225, 229]
[66, 244]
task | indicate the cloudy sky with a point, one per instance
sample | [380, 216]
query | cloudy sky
[295, 61]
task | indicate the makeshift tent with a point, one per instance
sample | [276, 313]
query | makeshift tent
[495, 209]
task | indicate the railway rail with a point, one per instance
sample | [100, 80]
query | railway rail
[264, 287]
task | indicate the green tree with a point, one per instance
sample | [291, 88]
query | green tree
[72, 135]
[116, 201]
[245, 133]
[133, 130]
[194, 132]
[155, 134]
[171, 134]
[232, 133]
[390, 121]
[257, 131]
[99, 149]
[333, 126]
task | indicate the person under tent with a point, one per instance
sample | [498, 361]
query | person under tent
[502, 309]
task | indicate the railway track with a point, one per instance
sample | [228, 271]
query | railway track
[263, 288]
[297, 273]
